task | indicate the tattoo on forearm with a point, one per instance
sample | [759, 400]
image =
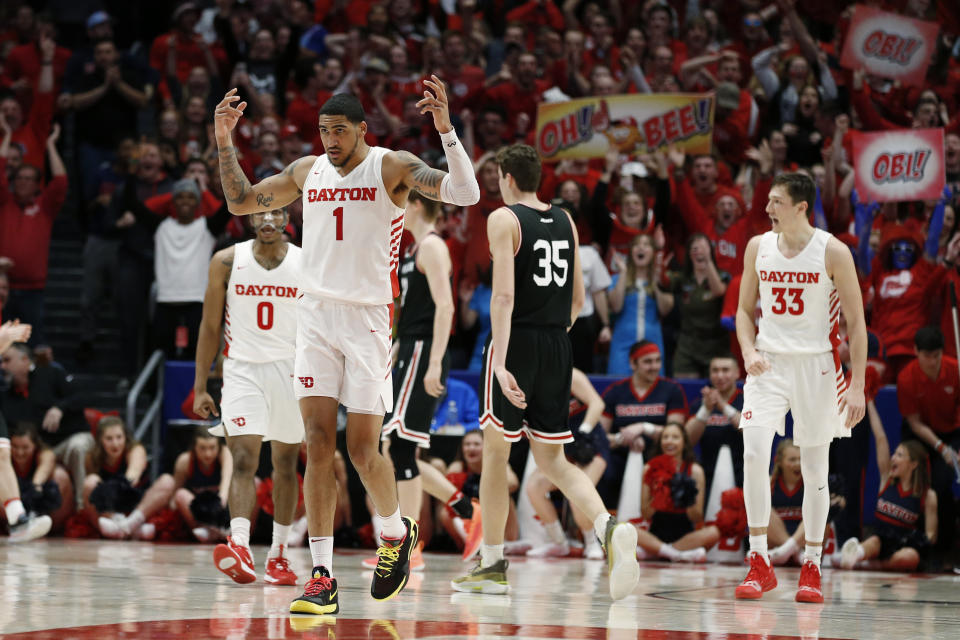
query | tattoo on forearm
[423, 178]
[289, 172]
[264, 200]
[234, 182]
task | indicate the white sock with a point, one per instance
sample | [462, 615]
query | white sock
[14, 509]
[555, 532]
[240, 531]
[693, 555]
[280, 533]
[321, 550]
[758, 544]
[133, 521]
[392, 527]
[600, 526]
[861, 553]
[785, 550]
[589, 538]
[667, 551]
[490, 554]
[812, 553]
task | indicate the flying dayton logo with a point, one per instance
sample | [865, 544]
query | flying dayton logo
[240, 422]
[306, 381]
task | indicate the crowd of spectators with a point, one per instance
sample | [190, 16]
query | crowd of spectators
[113, 103]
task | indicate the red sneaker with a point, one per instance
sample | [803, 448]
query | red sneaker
[809, 590]
[279, 571]
[759, 580]
[416, 558]
[474, 534]
[235, 561]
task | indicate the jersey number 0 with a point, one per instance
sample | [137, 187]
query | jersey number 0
[551, 258]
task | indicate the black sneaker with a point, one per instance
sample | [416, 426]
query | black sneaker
[319, 595]
[393, 568]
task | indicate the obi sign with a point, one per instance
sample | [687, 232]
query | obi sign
[903, 164]
[889, 45]
[589, 127]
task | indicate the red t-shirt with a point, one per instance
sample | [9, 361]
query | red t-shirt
[162, 205]
[937, 402]
[518, 100]
[25, 233]
[32, 136]
[946, 315]
[476, 257]
[24, 62]
[901, 302]
[189, 55]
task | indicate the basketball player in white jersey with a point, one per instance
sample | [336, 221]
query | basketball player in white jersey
[353, 202]
[252, 294]
[803, 276]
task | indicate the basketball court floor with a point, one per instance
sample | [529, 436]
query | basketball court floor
[56, 589]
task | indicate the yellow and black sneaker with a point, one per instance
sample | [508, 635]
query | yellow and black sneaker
[319, 595]
[393, 566]
[491, 580]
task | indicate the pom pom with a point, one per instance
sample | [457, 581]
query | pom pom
[169, 526]
[657, 476]
[46, 499]
[78, 526]
[115, 495]
[732, 517]
[208, 510]
[683, 490]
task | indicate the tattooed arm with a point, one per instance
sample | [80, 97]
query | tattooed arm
[208, 338]
[242, 197]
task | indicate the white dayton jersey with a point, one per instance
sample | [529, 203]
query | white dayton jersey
[351, 233]
[798, 300]
[260, 315]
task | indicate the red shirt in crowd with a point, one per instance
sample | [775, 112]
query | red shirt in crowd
[936, 402]
[901, 301]
[946, 314]
[518, 100]
[24, 62]
[304, 115]
[162, 205]
[32, 135]
[25, 232]
[189, 54]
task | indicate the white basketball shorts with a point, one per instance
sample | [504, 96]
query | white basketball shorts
[343, 352]
[258, 399]
[809, 386]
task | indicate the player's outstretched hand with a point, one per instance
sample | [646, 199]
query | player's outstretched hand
[510, 389]
[203, 405]
[431, 381]
[435, 102]
[226, 115]
[855, 404]
[755, 363]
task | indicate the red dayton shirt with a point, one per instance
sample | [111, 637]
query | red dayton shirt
[25, 233]
[937, 402]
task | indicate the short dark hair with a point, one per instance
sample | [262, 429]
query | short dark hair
[928, 339]
[523, 163]
[430, 207]
[800, 187]
[303, 71]
[344, 104]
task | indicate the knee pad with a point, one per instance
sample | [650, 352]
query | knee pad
[404, 455]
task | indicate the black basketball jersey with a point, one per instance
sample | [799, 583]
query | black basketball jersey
[543, 268]
[416, 304]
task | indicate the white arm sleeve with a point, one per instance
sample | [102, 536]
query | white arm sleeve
[460, 185]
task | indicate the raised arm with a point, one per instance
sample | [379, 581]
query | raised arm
[403, 171]
[242, 197]
[208, 337]
[880, 440]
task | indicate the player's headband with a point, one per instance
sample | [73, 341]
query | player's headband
[644, 350]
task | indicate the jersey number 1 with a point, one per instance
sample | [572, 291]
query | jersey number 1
[780, 302]
[338, 214]
[551, 258]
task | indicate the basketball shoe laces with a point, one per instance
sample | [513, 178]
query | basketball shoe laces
[757, 565]
[282, 563]
[808, 576]
[315, 586]
[388, 557]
